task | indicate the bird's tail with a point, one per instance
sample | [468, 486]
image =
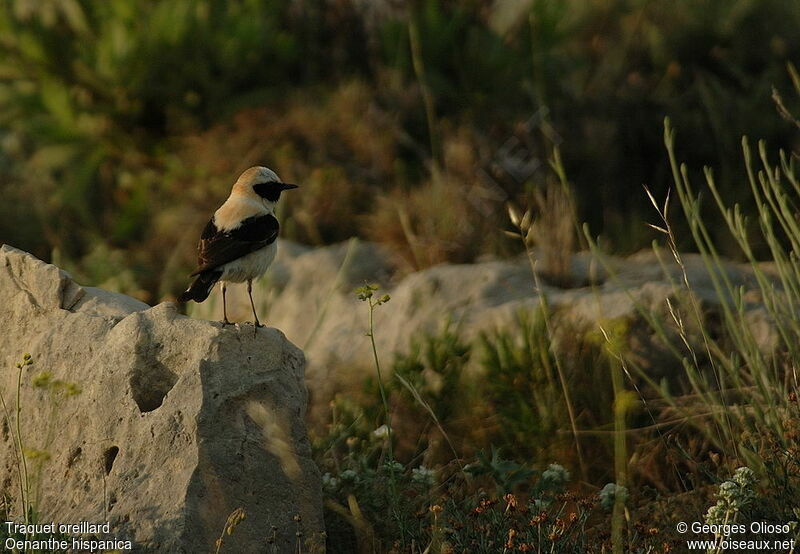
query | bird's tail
[201, 287]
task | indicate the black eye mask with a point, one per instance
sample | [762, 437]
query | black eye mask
[271, 190]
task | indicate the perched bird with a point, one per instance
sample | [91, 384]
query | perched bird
[239, 243]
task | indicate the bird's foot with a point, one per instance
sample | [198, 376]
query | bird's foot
[256, 326]
[225, 322]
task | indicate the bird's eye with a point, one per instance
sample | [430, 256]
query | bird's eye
[267, 190]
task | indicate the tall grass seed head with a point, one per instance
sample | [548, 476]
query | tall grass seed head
[513, 215]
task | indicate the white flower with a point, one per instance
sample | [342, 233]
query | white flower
[423, 475]
[555, 475]
[729, 490]
[381, 432]
[394, 466]
[715, 515]
[733, 495]
[329, 482]
[744, 477]
[609, 494]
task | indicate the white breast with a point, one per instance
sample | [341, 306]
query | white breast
[250, 266]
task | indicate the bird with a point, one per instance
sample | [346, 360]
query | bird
[238, 243]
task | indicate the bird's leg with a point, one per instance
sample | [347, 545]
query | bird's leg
[224, 306]
[252, 304]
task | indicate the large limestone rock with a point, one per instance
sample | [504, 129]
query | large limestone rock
[178, 422]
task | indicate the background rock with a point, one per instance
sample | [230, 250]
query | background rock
[308, 293]
[178, 422]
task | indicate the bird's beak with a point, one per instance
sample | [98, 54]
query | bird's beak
[287, 186]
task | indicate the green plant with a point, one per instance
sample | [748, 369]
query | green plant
[21, 464]
[506, 473]
[521, 382]
[366, 294]
[56, 390]
[486, 525]
[29, 461]
[431, 373]
[104, 137]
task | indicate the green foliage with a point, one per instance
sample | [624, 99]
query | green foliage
[391, 515]
[741, 499]
[467, 495]
[441, 511]
[522, 384]
[434, 366]
[506, 473]
[521, 379]
[694, 61]
[91, 88]
[469, 67]
[736, 389]
[28, 462]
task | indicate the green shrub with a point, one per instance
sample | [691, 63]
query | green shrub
[520, 380]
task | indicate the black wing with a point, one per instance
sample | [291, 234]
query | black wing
[217, 247]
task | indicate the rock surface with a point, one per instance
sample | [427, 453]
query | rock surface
[308, 293]
[178, 422]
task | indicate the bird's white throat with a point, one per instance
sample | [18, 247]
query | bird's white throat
[238, 208]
